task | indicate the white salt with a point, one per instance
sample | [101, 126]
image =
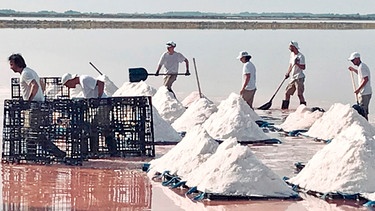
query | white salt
[163, 131]
[335, 120]
[191, 152]
[234, 119]
[234, 170]
[345, 165]
[167, 105]
[302, 119]
[135, 89]
[192, 97]
[196, 114]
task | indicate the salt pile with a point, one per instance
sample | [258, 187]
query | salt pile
[346, 164]
[234, 119]
[234, 170]
[109, 86]
[191, 152]
[167, 105]
[196, 114]
[135, 89]
[302, 119]
[192, 97]
[335, 120]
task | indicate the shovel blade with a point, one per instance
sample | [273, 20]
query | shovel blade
[266, 106]
[137, 74]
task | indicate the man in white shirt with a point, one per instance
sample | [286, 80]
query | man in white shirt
[249, 78]
[93, 88]
[30, 84]
[170, 60]
[32, 90]
[297, 77]
[364, 90]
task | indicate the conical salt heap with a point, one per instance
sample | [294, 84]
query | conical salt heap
[191, 152]
[197, 113]
[234, 119]
[234, 170]
[167, 105]
[302, 119]
[135, 89]
[345, 165]
[335, 120]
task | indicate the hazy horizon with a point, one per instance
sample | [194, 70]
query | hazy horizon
[220, 6]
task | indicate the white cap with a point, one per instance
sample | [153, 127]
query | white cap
[354, 55]
[294, 43]
[242, 54]
[171, 44]
[66, 77]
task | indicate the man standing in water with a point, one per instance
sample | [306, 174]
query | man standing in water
[364, 90]
[170, 60]
[297, 77]
[32, 91]
[249, 78]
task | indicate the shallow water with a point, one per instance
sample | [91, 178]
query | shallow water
[120, 184]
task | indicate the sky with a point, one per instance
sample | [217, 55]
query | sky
[223, 6]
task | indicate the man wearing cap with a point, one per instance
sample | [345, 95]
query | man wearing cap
[170, 60]
[364, 90]
[91, 87]
[249, 78]
[297, 77]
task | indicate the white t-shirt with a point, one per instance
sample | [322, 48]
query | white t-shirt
[26, 77]
[249, 68]
[89, 87]
[364, 71]
[296, 72]
[171, 62]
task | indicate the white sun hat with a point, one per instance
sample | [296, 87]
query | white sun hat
[242, 54]
[354, 55]
[66, 77]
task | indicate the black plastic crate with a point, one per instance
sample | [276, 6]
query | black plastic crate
[42, 132]
[120, 126]
[53, 88]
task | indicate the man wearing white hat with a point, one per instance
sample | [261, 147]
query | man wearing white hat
[364, 90]
[249, 78]
[170, 60]
[297, 77]
[91, 87]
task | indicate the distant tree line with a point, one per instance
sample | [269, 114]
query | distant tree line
[190, 15]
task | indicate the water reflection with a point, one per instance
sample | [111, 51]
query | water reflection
[71, 188]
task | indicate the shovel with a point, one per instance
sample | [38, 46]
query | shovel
[268, 105]
[140, 74]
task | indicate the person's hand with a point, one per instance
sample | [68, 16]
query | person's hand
[286, 76]
[187, 73]
[351, 68]
[296, 61]
[157, 74]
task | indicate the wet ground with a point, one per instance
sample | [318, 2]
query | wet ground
[120, 184]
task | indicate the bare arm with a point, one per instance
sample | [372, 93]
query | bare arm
[158, 69]
[34, 89]
[100, 85]
[363, 83]
[43, 85]
[353, 69]
[246, 81]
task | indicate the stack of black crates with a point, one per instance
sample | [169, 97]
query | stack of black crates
[64, 130]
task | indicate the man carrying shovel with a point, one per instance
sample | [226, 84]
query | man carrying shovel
[170, 60]
[364, 90]
[297, 77]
